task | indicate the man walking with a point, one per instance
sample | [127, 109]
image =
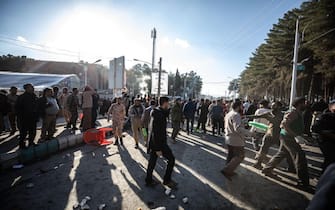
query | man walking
[234, 135]
[189, 113]
[73, 104]
[263, 108]
[135, 113]
[272, 134]
[158, 146]
[146, 120]
[176, 117]
[293, 126]
[118, 112]
[325, 127]
[26, 109]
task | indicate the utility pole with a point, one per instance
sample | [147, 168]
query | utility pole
[153, 36]
[185, 86]
[159, 77]
[295, 63]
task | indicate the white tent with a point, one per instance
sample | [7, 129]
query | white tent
[40, 81]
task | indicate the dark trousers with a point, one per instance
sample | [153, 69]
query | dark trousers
[2, 127]
[167, 153]
[257, 140]
[234, 158]
[74, 117]
[27, 128]
[48, 126]
[176, 128]
[217, 123]
[188, 121]
[94, 116]
[327, 147]
[296, 153]
[12, 120]
[87, 118]
[269, 141]
[202, 123]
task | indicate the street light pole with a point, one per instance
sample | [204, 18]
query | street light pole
[159, 77]
[185, 86]
[295, 64]
[153, 36]
[85, 66]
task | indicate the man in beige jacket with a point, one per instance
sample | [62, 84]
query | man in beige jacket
[234, 135]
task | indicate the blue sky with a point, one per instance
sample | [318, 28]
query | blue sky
[214, 38]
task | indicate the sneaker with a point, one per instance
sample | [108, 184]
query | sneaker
[170, 184]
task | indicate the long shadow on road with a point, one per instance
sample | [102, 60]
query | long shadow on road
[200, 195]
[94, 178]
[204, 159]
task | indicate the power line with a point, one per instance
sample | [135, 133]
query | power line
[37, 49]
[36, 44]
[250, 31]
[318, 37]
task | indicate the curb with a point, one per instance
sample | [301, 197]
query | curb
[42, 150]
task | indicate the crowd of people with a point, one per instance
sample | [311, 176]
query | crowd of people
[229, 119]
[147, 117]
[23, 111]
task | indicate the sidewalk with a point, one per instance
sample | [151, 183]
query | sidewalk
[9, 144]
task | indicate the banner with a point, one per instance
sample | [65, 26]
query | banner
[164, 83]
[116, 74]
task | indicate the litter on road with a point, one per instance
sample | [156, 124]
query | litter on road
[172, 196]
[101, 206]
[185, 200]
[168, 191]
[18, 166]
[30, 185]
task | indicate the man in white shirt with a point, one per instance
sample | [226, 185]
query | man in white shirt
[263, 108]
[246, 106]
[234, 136]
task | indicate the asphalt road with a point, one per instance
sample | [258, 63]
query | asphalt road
[115, 176]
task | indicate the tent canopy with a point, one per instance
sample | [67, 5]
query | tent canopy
[40, 81]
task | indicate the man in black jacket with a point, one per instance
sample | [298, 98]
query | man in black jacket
[325, 127]
[26, 108]
[158, 146]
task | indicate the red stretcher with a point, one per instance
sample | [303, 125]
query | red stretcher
[97, 136]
